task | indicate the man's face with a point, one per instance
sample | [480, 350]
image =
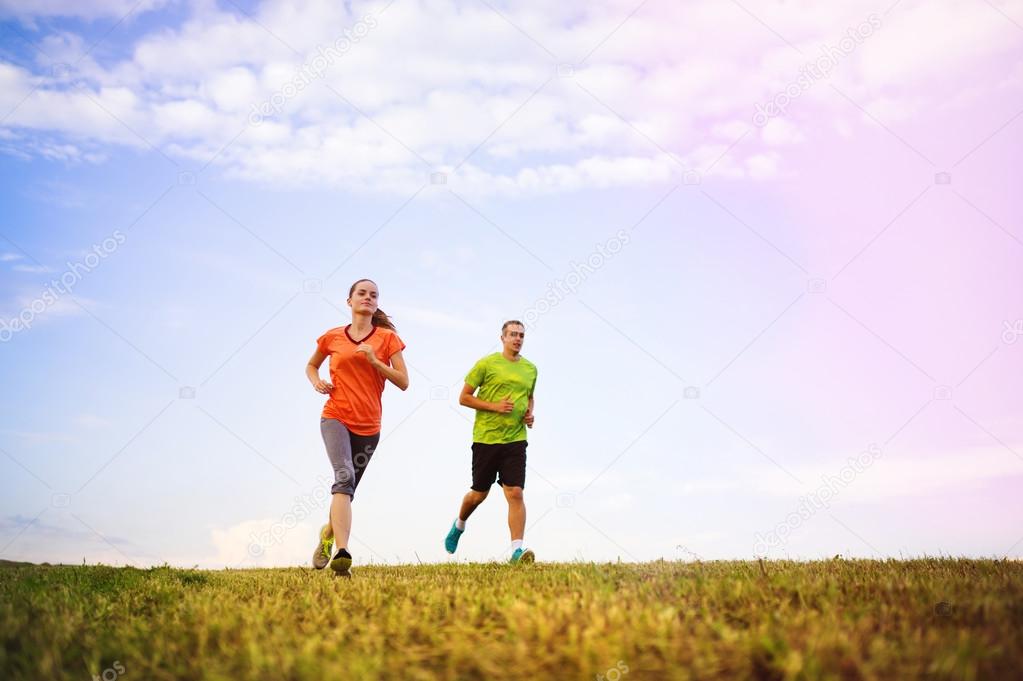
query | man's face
[513, 338]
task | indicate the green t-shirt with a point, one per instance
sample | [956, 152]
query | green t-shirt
[497, 378]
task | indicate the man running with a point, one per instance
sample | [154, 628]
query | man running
[504, 409]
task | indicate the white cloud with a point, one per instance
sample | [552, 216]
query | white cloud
[58, 537]
[190, 89]
[435, 318]
[945, 38]
[232, 545]
[245, 545]
[37, 437]
[40, 309]
[91, 421]
[892, 476]
[779, 132]
[762, 166]
[617, 502]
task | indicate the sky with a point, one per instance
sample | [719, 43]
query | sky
[769, 256]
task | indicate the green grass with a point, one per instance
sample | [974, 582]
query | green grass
[838, 619]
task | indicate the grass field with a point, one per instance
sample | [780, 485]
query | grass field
[837, 619]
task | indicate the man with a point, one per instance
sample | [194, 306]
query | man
[504, 409]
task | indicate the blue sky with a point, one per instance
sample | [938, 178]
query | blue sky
[234, 252]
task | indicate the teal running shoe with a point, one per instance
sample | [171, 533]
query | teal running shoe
[451, 541]
[523, 556]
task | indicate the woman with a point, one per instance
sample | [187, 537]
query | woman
[362, 355]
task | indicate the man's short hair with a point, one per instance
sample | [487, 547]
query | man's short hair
[511, 322]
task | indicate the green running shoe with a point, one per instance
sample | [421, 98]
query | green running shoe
[523, 556]
[451, 541]
[321, 556]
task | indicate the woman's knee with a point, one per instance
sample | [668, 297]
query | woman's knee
[344, 481]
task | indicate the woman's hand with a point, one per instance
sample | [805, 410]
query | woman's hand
[322, 386]
[367, 350]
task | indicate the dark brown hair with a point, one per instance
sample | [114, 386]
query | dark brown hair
[379, 317]
[510, 322]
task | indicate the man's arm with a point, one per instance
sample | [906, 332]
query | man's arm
[527, 418]
[468, 399]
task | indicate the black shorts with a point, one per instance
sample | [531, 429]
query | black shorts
[508, 459]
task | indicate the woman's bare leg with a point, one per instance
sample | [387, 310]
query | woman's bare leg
[341, 519]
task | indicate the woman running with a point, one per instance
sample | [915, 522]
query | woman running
[362, 355]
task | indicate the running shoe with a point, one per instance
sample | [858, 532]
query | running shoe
[523, 556]
[321, 556]
[341, 563]
[451, 541]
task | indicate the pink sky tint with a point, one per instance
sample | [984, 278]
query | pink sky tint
[921, 275]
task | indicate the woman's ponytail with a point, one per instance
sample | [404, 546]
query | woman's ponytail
[381, 319]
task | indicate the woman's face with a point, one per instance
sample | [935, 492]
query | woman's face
[364, 298]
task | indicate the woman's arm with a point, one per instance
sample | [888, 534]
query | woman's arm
[312, 372]
[397, 373]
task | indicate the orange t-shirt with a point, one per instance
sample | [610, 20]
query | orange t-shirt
[355, 400]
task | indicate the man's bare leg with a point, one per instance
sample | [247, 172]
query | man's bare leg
[470, 501]
[516, 512]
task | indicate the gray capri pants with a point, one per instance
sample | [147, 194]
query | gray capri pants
[349, 454]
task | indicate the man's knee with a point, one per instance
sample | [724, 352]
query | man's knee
[476, 497]
[513, 493]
